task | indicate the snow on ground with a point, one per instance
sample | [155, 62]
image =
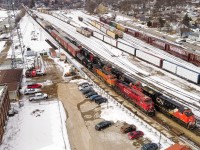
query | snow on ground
[38, 126]
[113, 113]
[3, 14]
[2, 43]
[33, 36]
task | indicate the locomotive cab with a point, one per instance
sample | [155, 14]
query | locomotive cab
[148, 105]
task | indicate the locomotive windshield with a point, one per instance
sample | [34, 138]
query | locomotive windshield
[148, 101]
[189, 113]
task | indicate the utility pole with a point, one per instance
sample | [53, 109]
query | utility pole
[10, 29]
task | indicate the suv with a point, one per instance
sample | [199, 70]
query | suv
[101, 100]
[38, 96]
[103, 125]
[150, 146]
[127, 128]
[36, 85]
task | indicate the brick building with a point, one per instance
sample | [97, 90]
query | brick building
[4, 108]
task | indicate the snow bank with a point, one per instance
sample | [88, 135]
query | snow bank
[38, 126]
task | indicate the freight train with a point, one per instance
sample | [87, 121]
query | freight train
[179, 70]
[167, 46]
[128, 87]
[112, 32]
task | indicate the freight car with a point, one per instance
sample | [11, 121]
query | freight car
[72, 49]
[171, 108]
[104, 29]
[83, 31]
[167, 46]
[183, 72]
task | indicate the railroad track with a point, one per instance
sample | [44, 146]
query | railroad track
[186, 103]
[103, 58]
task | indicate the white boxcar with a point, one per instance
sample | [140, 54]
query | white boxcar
[149, 58]
[188, 74]
[169, 66]
[98, 35]
[110, 41]
[126, 48]
[103, 29]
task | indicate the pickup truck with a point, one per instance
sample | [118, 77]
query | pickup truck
[38, 96]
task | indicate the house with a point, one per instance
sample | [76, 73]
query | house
[4, 108]
[12, 78]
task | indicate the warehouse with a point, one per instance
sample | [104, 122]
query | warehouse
[4, 108]
[12, 78]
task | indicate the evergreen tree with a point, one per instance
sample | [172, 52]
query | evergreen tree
[32, 4]
[186, 20]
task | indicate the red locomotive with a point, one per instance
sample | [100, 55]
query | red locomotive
[138, 98]
[171, 108]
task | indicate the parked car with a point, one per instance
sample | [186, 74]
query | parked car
[31, 91]
[135, 134]
[38, 96]
[87, 90]
[94, 96]
[84, 82]
[103, 125]
[101, 100]
[127, 128]
[90, 94]
[150, 146]
[83, 86]
[36, 85]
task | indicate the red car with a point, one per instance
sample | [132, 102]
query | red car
[32, 86]
[135, 134]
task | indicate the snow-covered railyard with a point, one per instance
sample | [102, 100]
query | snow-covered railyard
[79, 123]
[157, 76]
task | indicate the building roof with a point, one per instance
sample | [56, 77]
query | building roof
[11, 77]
